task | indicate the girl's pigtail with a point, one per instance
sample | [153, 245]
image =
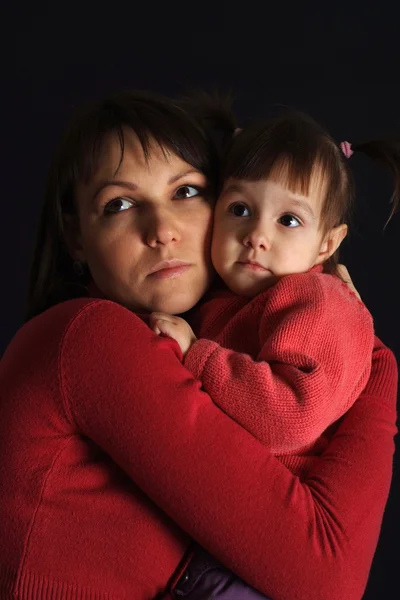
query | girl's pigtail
[385, 153]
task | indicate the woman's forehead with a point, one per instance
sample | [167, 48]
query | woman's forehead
[131, 157]
[121, 153]
[141, 168]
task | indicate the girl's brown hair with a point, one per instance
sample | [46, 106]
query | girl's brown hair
[294, 147]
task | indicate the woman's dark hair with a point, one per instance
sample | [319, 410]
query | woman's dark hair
[295, 148]
[152, 118]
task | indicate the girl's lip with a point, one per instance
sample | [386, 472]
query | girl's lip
[252, 264]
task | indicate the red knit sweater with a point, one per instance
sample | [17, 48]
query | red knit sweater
[97, 416]
[288, 363]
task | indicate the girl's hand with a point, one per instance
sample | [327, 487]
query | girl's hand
[173, 327]
[345, 275]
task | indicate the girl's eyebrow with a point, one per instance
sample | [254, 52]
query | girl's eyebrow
[303, 204]
[294, 199]
[234, 187]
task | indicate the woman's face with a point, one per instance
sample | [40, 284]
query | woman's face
[145, 228]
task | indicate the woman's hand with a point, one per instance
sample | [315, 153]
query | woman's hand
[345, 275]
[173, 327]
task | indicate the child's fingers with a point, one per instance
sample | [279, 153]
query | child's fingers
[345, 275]
[165, 327]
[161, 315]
[157, 322]
[153, 323]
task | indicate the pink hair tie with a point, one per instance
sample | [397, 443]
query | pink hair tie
[346, 149]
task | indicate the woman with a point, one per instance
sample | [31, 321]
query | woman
[112, 457]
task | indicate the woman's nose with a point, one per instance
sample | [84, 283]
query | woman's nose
[162, 229]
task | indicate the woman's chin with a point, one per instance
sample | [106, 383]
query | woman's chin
[174, 305]
[180, 296]
[173, 296]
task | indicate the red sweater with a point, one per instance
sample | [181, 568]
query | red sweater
[288, 363]
[98, 415]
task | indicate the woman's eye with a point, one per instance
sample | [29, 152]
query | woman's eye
[240, 210]
[117, 205]
[186, 191]
[289, 221]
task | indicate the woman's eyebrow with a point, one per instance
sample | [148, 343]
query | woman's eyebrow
[129, 185]
[114, 182]
[175, 178]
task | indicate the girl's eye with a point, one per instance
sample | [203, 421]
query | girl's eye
[117, 205]
[186, 191]
[289, 221]
[240, 210]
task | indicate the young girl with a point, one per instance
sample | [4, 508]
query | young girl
[285, 347]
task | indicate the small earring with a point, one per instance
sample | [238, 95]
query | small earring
[78, 268]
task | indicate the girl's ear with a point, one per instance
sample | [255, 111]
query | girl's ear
[73, 237]
[331, 243]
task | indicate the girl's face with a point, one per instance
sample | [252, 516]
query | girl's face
[145, 228]
[263, 231]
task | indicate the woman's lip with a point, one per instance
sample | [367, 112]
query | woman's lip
[168, 264]
[170, 272]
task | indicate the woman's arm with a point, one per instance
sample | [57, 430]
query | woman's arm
[316, 343]
[126, 389]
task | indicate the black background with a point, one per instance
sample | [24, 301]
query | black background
[340, 63]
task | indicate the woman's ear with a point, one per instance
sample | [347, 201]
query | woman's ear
[73, 237]
[331, 243]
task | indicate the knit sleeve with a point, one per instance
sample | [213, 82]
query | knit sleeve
[127, 390]
[316, 343]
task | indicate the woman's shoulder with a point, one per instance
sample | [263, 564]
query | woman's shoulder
[90, 320]
[50, 329]
[88, 309]
[63, 315]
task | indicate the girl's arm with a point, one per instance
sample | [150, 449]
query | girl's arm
[316, 343]
[126, 389]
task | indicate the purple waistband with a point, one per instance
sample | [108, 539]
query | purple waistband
[207, 579]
